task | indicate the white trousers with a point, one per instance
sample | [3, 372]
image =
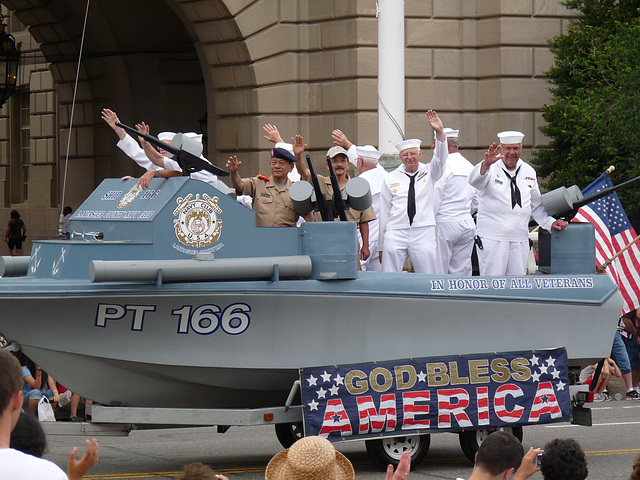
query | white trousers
[418, 243]
[503, 258]
[372, 264]
[455, 244]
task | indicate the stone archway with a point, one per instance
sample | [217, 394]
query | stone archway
[147, 60]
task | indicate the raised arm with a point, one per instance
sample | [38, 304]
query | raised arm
[441, 152]
[233, 165]
[76, 469]
[272, 133]
[299, 148]
[152, 154]
[111, 118]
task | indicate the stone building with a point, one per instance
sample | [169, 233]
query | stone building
[229, 66]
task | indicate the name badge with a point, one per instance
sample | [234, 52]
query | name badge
[497, 180]
[394, 185]
[265, 195]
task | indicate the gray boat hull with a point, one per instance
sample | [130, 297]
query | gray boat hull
[240, 344]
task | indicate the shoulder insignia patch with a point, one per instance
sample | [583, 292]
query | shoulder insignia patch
[262, 177]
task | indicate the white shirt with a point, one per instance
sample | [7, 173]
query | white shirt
[15, 465]
[395, 191]
[375, 177]
[134, 151]
[453, 196]
[496, 219]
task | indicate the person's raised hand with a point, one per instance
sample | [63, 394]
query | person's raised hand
[76, 469]
[402, 472]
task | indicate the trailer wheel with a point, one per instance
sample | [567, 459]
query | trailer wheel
[470, 440]
[389, 450]
[289, 433]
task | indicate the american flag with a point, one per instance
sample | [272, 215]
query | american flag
[613, 233]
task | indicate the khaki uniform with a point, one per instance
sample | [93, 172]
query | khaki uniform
[272, 204]
[352, 215]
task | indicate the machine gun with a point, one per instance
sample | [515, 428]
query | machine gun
[320, 198]
[306, 198]
[572, 251]
[338, 204]
[565, 202]
[185, 150]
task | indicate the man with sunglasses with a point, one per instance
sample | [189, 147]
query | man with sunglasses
[407, 219]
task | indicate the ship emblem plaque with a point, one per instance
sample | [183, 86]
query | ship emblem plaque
[197, 224]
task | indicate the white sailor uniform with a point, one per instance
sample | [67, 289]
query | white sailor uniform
[134, 151]
[397, 238]
[375, 177]
[504, 230]
[455, 228]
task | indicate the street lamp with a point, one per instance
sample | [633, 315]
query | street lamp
[9, 59]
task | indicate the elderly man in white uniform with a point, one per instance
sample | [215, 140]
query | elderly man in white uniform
[407, 219]
[508, 195]
[454, 203]
[367, 163]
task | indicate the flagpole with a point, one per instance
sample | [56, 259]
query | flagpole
[603, 267]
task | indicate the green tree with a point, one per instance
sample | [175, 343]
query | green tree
[594, 120]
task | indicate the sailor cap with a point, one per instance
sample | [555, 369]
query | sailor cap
[449, 132]
[411, 143]
[369, 151]
[166, 136]
[510, 137]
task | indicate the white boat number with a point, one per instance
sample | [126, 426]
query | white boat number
[206, 319]
[203, 319]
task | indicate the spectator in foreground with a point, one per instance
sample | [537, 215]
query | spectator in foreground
[500, 455]
[635, 475]
[18, 465]
[563, 459]
[199, 471]
[310, 457]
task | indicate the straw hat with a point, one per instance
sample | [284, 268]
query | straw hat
[310, 458]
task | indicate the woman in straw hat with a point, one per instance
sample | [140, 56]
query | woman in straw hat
[315, 458]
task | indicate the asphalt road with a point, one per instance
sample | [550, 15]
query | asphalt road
[611, 446]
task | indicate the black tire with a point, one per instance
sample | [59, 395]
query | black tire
[389, 450]
[470, 440]
[289, 433]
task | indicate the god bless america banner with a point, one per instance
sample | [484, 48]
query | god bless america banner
[403, 397]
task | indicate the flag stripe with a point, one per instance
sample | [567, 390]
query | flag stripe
[613, 233]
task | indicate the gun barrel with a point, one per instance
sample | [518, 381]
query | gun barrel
[603, 193]
[187, 161]
[319, 195]
[337, 193]
[149, 138]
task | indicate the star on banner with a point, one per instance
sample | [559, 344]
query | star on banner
[535, 376]
[561, 385]
[312, 381]
[313, 405]
[555, 373]
[334, 390]
[322, 393]
[551, 361]
[422, 377]
[544, 368]
[326, 377]
[534, 359]
[339, 380]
